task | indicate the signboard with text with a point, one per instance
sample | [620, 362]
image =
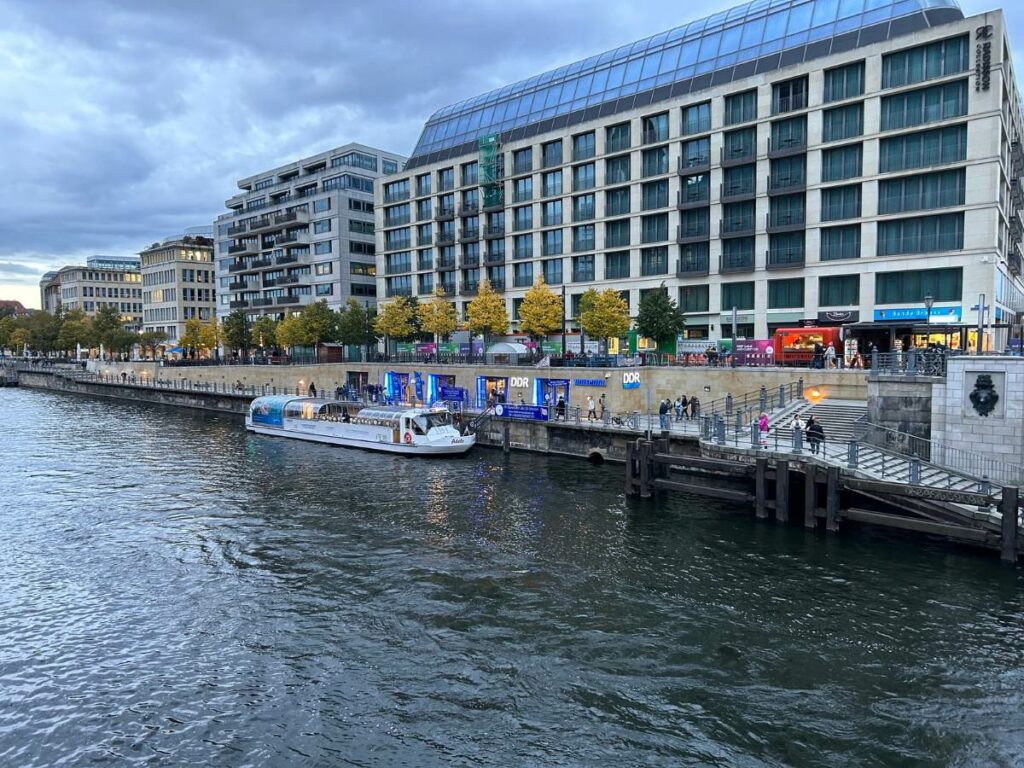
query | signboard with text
[938, 314]
[522, 412]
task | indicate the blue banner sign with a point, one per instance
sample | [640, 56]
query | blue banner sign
[631, 380]
[524, 412]
[453, 394]
[588, 382]
[939, 314]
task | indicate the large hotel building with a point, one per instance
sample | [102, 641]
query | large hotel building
[852, 162]
[178, 282]
[301, 233]
[103, 281]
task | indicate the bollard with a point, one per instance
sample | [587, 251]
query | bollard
[728, 405]
[915, 470]
[985, 487]
[755, 438]
[800, 388]
[852, 454]
[763, 398]
[720, 430]
[739, 422]
[873, 373]
[912, 361]
[782, 396]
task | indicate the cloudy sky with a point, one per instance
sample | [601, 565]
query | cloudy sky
[124, 122]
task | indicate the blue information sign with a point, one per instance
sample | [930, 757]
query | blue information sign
[588, 382]
[453, 394]
[939, 314]
[524, 412]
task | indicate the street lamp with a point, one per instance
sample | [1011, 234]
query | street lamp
[929, 302]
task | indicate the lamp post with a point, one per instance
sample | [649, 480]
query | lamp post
[929, 302]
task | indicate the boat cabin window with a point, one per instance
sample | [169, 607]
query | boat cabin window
[301, 410]
[427, 421]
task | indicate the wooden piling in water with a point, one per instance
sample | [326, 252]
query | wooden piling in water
[782, 490]
[832, 500]
[761, 489]
[810, 495]
[1008, 539]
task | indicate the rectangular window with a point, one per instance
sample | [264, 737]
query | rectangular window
[839, 291]
[583, 269]
[786, 294]
[740, 180]
[424, 209]
[694, 223]
[737, 217]
[844, 82]
[522, 160]
[616, 202]
[787, 210]
[840, 242]
[583, 208]
[522, 218]
[583, 177]
[654, 229]
[912, 286]
[583, 238]
[789, 134]
[786, 249]
[388, 166]
[654, 194]
[523, 190]
[923, 191]
[322, 248]
[325, 289]
[789, 95]
[551, 213]
[654, 261]
[738, 295]
[926, 62]
[697, 118]
[925, 105]
[446, 180]
[470, 174]
[924, 148]
[840, 203]
[423, 186]
[319, 206]
[324, 225]
[696, 153]
[552, 242]
[655, 161]
[616, 138]
[695, 189]
[655, 128]
[922, 234]
[552, 271]
[842, 163]
[616, 233]
[327, 268]
[842, 122]
[741, 107]
[740, 145]
[616, 265]
[616, 169]
[788, 172]
[552, 153]
[552, 182]
[693, 259]
[425, 284]
[522, 274]
[694, 298]
[522, 247]
[583, 146]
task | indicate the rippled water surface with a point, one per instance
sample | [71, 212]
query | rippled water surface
[175, 592]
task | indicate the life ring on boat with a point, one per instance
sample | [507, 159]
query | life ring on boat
[407, 437]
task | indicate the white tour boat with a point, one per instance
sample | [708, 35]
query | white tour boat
[396, 429]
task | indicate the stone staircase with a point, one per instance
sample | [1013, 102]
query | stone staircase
[839, 419]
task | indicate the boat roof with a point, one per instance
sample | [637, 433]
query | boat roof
[280, 401]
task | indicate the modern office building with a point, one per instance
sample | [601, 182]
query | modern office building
[103, 281]
[49, 292]
[301, 233]
[850, 162]
[178, 282]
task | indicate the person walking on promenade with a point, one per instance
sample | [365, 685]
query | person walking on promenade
[560, 408]
[663, 415]
[312, 389]
[601, 404]
[694, 408]
[830, 356]
[678, 408]
[762, 429]
[591, 409]
[815, 435]
[686, 401]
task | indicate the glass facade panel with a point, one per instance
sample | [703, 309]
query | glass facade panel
[924, 148]
[842, 163]
[926, 62]
[840, 203]
[839, 291]
[840, 242]
[738, 296]
[926, 105]
[923, 234]
[844, 82]
[741, 107]
[927, 190]
[912, 286]
[786, 294]
[842, 122]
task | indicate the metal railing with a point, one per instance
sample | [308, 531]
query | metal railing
[913, 362]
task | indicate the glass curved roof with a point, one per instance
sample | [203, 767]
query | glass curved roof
[741, 34]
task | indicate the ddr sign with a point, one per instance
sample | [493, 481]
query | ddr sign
[631, 380]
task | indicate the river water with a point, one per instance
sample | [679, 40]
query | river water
[174, 592]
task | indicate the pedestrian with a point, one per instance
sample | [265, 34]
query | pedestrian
[762, 429]
[560, 408]
[694, 407]
[663, 415]
[591, 409]
[816, 437]
[685, 407]
[830, 356]
[818, 360]
[797, 426]
[312, 389]
[601, 405]
[521, 400]
[678, 408]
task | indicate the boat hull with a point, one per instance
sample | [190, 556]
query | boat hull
[421, 449]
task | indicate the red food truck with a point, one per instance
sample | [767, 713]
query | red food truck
[795, 346]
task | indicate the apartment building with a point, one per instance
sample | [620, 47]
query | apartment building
[103, 281]
[302, 232]
[49, 292]
[178, 282]
[822, 162]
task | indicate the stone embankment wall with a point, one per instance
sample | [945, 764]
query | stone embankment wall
[902, 403]
[707, 383]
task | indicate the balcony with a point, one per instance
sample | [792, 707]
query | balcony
[398, 268]
[287, 280]
[692, 266]
[735, 263]
[1013, 260]
[447, 289]
[292, 238]
[445, 238]
[267, 301]
[794, 145]
[688, 165]
[424, 239]
[236, 229]
[654, 136]
[687, 234]
[519, 168]
[471, 235]
[1016, 193]
[789, 222]
[551, 220]
[784, 259]
[238, 285]
[732, 193]
[447, 213]
[469, 209]
[1015, 228]
[497, 205]
[288, 299]
[469, 262]
[523, 281]
[738, 155]
[693, 198]
[237, 266]
[783, 185]
[405, 290]
[1017, 158]
[424, 264]
[498, 284]
[618, 144]
[791, 103]
[288, 258]
[398, 221]
[261, 263]
[238, 304]
[445, 265]
[396, 197]
[736, 227]
[469, 289]
[522, 253]
[242, 248]
[494, 258]
[492, 231]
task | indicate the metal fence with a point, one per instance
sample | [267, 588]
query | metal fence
[914, 362]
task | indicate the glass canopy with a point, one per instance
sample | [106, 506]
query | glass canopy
[742, 34]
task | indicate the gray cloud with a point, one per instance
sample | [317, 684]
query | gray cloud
[121, 123]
